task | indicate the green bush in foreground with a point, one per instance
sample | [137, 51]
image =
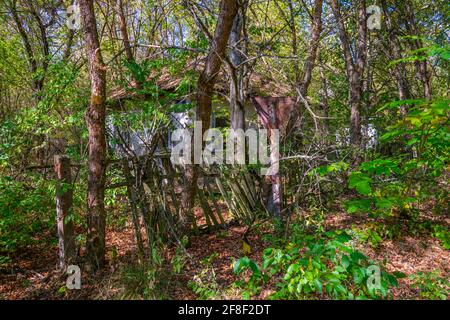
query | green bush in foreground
[318, 268]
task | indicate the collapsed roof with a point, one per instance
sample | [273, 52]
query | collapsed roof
[169, 81]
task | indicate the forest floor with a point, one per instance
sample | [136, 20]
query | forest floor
[33, 273]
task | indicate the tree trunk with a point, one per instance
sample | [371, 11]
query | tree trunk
[313, 47]
[206, 81]
[64, 194]
[126, 39]
[237, 74]
[293, 27]
[416, 44]
[395, 53]
[355, 114]
[95, 118]
[37, 83]
[354, 69]
[43, 34]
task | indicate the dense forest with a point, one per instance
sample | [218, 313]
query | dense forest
[224, 149]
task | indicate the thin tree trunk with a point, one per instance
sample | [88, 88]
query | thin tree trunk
[69, 43]
[421, 65]
[126, 39]
[206, 81]
[304, 76]
[64, 195]
[354, 69]
[293, 27]
[43, 33]
[37, 84]
[313, 47]
[237, 73]
[95, 118]
[395, 52]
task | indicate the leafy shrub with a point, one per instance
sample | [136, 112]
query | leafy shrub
[443, 234]
[369, 234]
[320, 267]
[379, 198]
[24, 212]
[431, 285]
[148, 280]
[390, 185]
[204, 284]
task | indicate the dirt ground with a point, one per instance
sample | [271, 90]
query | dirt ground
[33, 273]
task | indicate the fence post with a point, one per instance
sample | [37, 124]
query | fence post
[64, 199]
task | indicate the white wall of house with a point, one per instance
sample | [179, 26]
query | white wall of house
[138, 140]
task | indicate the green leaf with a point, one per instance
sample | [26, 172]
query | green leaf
[345, 262]
[361, 205]
[254, 267]
[384, 203]
[364, 188]
[267, 262]
[357, 256]
[240, 264]
[341, 289]
[399, 275]
[359, 275]
[392, 280]
[319, 286]
[360, 182]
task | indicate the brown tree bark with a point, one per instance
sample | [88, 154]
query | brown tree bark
[354, 68]
[64, 195]
[95, 118]
[313, 47]
[237, 96]
[394, 48]
[69, 43]
[206, 81]
[43, 33]
[124, 31]
[126, 38]
[416, 44]
[275, 113]
[293, 27]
